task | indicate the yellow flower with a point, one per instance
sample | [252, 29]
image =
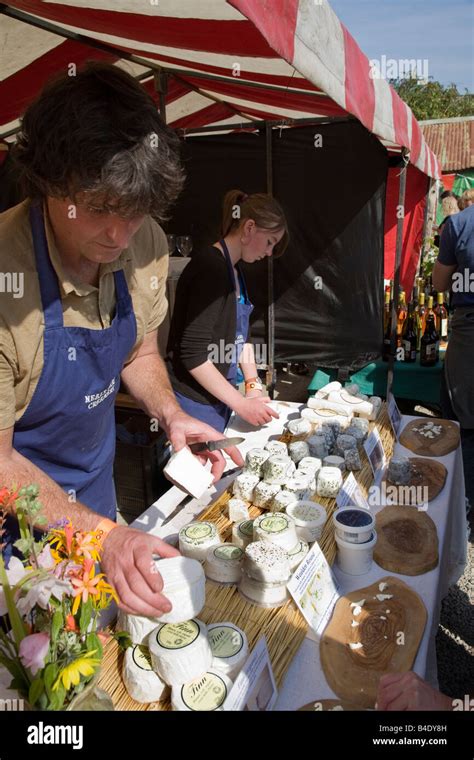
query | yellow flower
[71, 674]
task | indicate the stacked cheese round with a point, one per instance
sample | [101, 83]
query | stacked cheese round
[242, 533]
[266, 572]
[184, 584]
[138, 627]
[309, 519]
[196, 538]
[141, 681]
[206, 693]
[229, 648]
[224, 564]
[275, 528]
[180, 652]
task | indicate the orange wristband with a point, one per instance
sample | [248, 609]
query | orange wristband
[103, 528]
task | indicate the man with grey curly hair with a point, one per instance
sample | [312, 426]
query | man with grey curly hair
[82, 308]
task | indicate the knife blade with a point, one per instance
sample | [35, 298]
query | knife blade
[222, 443]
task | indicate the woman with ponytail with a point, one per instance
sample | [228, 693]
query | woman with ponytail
[210, 324]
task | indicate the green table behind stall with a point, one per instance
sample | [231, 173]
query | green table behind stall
[410, 380]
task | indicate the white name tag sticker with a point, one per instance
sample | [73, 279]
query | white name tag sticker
[373, 447]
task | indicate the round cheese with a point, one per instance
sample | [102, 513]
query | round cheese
[229, 648]
[196, 538]
[318, 446]
[301, 485]
[224, 564]
[254, 461]
[301, 426]
[277, 469]
[344, 442]
[263, 594]
[184, 584]
[242, 533]
[309, 519]
[180, 652]
[329, 481]
[206, 693]
[138, 627]
[264, 561]
[141, 681]
[334, 461]
[281, 500]
[244, 484]
[263, 494]
[276, 528]
[276, 447]
[298, 450]
[309, 465]
[298, 553]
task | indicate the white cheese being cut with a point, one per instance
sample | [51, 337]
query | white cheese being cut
[229, 646]
[300, 426]
[196, 538]
[298, 554]
[242, 533]
[327, 389]
[238, 510]
[277, 469]
[263, 561]
[184, 584]
[138, 627]
[204, 694]
[180, 651]
[298, 450]
[281, 500]
[254, 460]
[187, 472]
[276, 528]
[263, 494]
[141, 681]
[276, 447]
[309, 519]
[224, 563]
[244, 484]
[329, 481]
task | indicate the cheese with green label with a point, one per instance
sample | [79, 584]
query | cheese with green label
[229, 648]
[224, 563]
[242, 533]
[204, 694]
[180, 652]
[196, 538]
[141, 681]
[275, 528]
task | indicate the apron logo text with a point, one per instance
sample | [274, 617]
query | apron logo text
[96, 398]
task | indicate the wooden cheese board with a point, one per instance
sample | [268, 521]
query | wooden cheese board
[427, 480]
[441, 444]
[385, 640]
[407, 541]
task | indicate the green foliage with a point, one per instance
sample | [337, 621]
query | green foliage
[433, 100]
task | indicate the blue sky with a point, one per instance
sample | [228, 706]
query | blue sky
[440, 31]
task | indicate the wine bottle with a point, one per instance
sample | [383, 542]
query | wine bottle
[441, 316]
[401, 317]
[409, 337]
[429, 348]
[420, 319]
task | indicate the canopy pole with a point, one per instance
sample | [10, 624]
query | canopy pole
[398, 259]
[161, 87]
[271, 373]
[426, 219]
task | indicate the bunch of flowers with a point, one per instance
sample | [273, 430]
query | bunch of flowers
[52, 599]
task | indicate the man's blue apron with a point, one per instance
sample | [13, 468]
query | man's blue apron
[218, 414]
[68, 428]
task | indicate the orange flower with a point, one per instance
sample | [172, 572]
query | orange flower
[7, 498]
[71, 624]
[85, 586]
[86, 545]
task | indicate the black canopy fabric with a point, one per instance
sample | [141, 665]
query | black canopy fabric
[328, 286]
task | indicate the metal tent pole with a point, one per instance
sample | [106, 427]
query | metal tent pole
[425, 221]
[398, 259]
[271, 373]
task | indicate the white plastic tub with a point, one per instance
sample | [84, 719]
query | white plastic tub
[353, 524]
[355, 559]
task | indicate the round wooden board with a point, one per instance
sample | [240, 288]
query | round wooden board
[443, 444]
[407, 541]
[424, 473]
[390, 640]
[328, 705]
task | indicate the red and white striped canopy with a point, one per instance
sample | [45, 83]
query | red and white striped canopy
[230, 61]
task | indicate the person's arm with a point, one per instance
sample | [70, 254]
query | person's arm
[407, 691]
[442, 276]
[446, 262]
[146, 379]
[248, 366]
[254, 410]
[126, 553]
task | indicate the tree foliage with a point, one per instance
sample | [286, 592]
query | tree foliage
[432, 100]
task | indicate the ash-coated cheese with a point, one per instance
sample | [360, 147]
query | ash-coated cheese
[298, 450]
[357, 433]
[329, 481]
[352, 460]
[180, 652]
[334, 461]
[399, 472]
[196, 538]
[344, 442]
[318, 446]
[141, 682]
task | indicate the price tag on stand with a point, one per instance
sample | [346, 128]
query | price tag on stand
[375, 451]
[314, 589]
[394, 414]
[350, 494]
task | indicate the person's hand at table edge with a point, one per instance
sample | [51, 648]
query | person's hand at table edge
[127, 561]
[407, 691]
[256, 411]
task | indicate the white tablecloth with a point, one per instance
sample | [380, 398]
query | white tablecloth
[304, 681]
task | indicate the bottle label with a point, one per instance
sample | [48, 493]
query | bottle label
[430, 349]
[444, 328]
[225, 641]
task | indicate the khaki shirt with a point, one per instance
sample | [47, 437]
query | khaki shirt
[145, 265]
